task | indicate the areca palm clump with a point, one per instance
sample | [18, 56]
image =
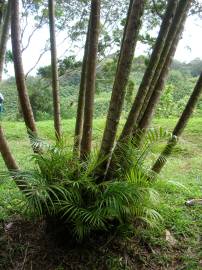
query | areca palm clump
[64, 189]
[105, 191]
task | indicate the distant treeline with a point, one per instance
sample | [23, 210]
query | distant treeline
[180, 83]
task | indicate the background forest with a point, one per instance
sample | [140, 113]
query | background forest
[180, 83]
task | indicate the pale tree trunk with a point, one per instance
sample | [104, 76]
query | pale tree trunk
[2, 5]
[6, 153]
[146, 119]
[54, 68]
[19, 72]
[4, 37]
[86, 142]
[7, 156]
[168, 53]
[126, 26]
[179, 128]
[143, 92]
[81, 99]
[131, 33]
[9, 161]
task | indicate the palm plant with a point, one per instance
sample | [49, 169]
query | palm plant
[62, 187]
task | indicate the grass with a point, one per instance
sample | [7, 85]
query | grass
[181, 180]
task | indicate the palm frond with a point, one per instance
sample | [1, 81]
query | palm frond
[65, 187]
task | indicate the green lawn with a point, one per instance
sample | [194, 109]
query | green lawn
[179, 181]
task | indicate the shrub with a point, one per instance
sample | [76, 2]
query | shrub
[62, 187]
[67, 193]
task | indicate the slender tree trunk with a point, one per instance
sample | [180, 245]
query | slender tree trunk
[19, 72]
[6, 153]
[179, 128]
[126, 26]
[122, 74]
[4, 147]
[169, 50]
[146, 119]
[4, 37]
[7, 156]
[150, 83]
[9, 161]
[81, 99]
[2, 5]
[86, 142]
[54, 68]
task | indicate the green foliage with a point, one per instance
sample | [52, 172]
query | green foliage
[68, 63]
[173, 101]
[192, 68]
[168, 106]
[131, 154]
[44, 72]
[179, 86]
[40, 98]
[61, 186]
[65, 65]
[184, 223]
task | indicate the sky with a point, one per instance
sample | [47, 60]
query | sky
[190, 46]
[188, 49]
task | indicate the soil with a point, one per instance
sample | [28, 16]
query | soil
[26, 245]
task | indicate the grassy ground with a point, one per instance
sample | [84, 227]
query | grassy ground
[182, 222]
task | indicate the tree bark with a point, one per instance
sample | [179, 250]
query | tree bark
[122, 74]
[86, 142]
[126, 26]
[81, 99]
[171, 44]
[4, 37]
[19, 72]
[145, 91]
[180, 126]
[7, 156]
[54, 69]
[6, 153]
[2, 5]
[9, 161]
[146, 119]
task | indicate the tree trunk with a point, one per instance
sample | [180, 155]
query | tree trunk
[150, 83]
[126, 26]
[81, 99]
[4, 37]
[6, 153]
[159, 86]
[7, 156]
[54, 68]
[2, 5]
[122, 74]
[179, 128]
[86, 141]
[10, 161]
[146, 119]
[19, 72]
[171, 44]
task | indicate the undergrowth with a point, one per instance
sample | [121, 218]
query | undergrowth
[63, 187]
